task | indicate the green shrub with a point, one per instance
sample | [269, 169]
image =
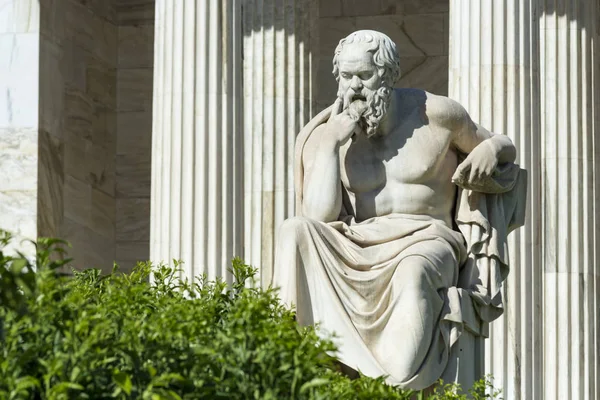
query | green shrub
[89, 336]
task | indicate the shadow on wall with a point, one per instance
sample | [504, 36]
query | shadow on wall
[95, 127]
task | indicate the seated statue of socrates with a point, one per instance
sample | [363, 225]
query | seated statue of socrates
[403, 208]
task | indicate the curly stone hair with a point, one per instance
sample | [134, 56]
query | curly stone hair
[385, 55]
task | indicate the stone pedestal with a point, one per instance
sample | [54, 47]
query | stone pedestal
[196, 203]
[279, 60]
[527, 69]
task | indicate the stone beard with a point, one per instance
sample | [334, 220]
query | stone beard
[368, 106]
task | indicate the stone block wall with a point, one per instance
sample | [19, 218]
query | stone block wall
[95, 128]
[418, 27]
[78, 54]
[134, 126]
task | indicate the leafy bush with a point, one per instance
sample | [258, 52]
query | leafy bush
[89, 336]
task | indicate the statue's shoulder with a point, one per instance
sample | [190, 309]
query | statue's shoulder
[437, 110]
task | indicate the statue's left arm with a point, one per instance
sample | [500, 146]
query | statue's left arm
[490, 203]
[484, 149]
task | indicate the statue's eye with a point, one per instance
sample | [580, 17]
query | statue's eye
[345, 75]
[366, 75]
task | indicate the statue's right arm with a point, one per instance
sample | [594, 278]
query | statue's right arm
[322, 197]
[322, 191]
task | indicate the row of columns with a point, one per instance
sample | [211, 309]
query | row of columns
[529, 69]
[222, 180]
[234, 84]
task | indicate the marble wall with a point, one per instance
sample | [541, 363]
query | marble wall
[77, 135]
[95, 128]
[134, 129]
[418, 27]
[94, 131]
[19, 47]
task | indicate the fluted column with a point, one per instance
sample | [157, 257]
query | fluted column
[279, 60]
[530, 69]
[197, 145]
[493, 73]
[570, 202]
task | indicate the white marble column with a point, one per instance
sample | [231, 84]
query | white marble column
[530, 69]
[19, 118]
[279, 61]
[569, 75]
[493, 73]
[196, 202]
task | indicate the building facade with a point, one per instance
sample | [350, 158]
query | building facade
[164, 130]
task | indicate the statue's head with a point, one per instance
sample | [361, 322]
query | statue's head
[366, 65]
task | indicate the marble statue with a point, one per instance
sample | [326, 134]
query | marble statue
[403, 208]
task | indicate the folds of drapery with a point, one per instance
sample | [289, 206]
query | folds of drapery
[485, 214]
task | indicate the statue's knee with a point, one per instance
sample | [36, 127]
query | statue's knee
[414, 272]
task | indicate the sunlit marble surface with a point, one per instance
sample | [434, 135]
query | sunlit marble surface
[19, 47]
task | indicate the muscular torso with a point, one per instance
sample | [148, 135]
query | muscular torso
[407, 171]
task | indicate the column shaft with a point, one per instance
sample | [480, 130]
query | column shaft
[493, 70]
[569, 96]
[196, 150]
[279, 37]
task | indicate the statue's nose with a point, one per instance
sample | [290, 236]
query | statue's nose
[356, 84]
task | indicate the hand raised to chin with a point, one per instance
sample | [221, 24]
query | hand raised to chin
[342, 124]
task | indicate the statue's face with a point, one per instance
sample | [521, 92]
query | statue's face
[358, 75]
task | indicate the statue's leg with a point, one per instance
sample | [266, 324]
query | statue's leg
[293, 240]
[418, 285]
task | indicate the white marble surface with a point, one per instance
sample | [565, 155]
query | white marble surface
[569, 184]
[19, 16]
[19, 66]
[18, 159]
[197, 137]
[18, 214]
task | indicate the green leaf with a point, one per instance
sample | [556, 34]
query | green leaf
[313, 383]
[123, 381]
